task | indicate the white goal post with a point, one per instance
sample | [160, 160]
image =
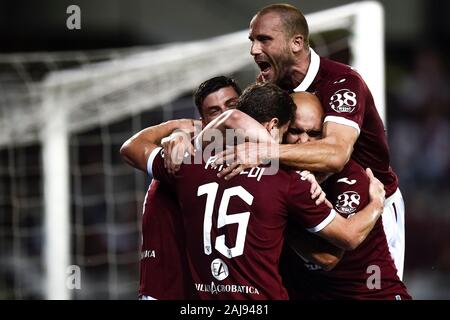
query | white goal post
[366, 22]
[142, 80]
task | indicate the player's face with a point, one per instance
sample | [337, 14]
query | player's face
[307, 126]
[282, 131]
[270, 48]
[277, 132]
[217, 102]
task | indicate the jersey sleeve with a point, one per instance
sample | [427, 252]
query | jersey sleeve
[344, 101]
[303, 209]
[348, 191]
[155, 166]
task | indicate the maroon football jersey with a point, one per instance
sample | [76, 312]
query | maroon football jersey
[234, 229]
[163, 269]
[368, 272]
[347, 100]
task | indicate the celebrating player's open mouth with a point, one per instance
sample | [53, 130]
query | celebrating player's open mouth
[265, 67]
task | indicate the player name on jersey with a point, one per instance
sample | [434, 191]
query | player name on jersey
[255, 172]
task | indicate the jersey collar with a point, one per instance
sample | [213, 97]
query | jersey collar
[311, 73]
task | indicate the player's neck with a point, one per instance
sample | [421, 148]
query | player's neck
[300, 69]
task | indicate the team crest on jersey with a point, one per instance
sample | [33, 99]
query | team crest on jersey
[343, 101]
[219, 269]
[348, 202]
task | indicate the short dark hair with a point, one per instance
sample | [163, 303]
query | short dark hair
[265, 101]
[212, 85]
[293, 20]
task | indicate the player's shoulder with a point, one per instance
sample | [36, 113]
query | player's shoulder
[351, 174]
[339, 73]
[296, 180]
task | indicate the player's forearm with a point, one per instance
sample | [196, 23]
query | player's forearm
[316, 156]
[314, 249]
[136, 150]
[244, 127]
[361, 223]
[247, 127]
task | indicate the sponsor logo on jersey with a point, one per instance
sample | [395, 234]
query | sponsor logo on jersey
[348, 202]
[343, 101]
[148, 254]
[339, 81]
[225, 288]
[312, 266]
[219, 269]
[345, 180]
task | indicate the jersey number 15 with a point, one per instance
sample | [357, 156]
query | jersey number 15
[223, 219]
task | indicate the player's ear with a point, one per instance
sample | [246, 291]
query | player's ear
[297, 43]
[273, 124]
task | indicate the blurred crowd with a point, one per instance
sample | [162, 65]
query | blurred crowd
[418, 107]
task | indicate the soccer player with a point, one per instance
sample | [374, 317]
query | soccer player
[367, 272]
[234, 229]
[163, 269]
[352, 126]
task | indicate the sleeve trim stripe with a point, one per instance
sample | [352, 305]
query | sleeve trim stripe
[324, 223]
[344, 121]
[150, 160]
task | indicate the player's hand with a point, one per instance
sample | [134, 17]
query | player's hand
[376, 189]
[316, 190]
[175, 147]
[241, 157]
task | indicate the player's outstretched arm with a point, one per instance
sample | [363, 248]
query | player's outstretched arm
[349, 233]
[329, 154]
[136, 150]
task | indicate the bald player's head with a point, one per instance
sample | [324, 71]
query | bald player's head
[308, 122]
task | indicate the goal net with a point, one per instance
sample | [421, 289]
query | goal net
[68, 202]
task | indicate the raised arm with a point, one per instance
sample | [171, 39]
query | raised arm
[136, 150]
[329, 154]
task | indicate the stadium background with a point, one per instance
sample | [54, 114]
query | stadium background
[105, 214]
